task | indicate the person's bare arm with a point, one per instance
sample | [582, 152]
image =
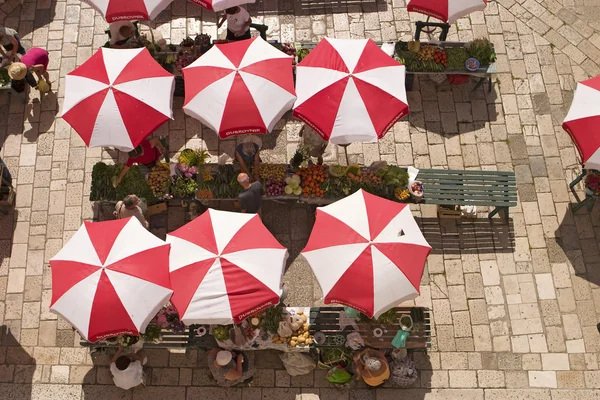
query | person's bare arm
[235, 374]
[15, 48]
[117, 354]
[154, 142]
[2, 51]
[121, 175]
[242, 163]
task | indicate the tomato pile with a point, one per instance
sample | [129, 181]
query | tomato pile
[440, 57]
[312, 177]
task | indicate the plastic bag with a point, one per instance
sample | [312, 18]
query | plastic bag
[297, 364]
[354, 341]
[338, 375]
[284, 329]
[296, 322]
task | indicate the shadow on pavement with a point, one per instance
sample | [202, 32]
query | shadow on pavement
[467, 236]
[18, 367]
[577, 243]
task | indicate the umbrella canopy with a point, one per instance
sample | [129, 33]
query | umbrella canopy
[240, 88]
[118, 97]
[110, 279]
[583, 122]
[129, 10]
[367, 253]
[350, 91]
[220, 5]
[224, 267]
[446, 10]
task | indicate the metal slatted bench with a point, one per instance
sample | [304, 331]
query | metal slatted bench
[170, 339]
[496, 189]
[327, 320]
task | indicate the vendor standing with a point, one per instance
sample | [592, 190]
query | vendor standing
[248, 155]
[10, 43]
[146, 154]
[120, 34]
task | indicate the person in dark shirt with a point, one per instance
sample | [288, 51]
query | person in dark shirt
[251, 197]
[248, 155]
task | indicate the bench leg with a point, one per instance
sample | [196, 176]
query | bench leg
[479, 83]
[575, 182]
[497, 210]
[589, 201]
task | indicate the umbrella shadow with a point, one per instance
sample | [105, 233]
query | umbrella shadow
[18, 365]
[577, 243]
[449, 110]
[29, 16]
[468, 236]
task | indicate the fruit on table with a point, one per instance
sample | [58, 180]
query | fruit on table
[274, 187]
[440, 57]
[293, 185]
[426, 53]
[337, 170]
[312, 178]
[159, 179]
[272, 171]
[401, 194]
[204, 194]
[207, 176]
[417, 188]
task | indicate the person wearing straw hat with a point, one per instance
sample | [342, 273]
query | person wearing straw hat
[372, 366]
[230, 368]
[36, 61]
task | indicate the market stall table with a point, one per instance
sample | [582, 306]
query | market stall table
[329, 320]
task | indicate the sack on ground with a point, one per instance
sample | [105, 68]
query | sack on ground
[297, 364]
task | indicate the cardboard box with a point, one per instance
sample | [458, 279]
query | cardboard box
[156, 209]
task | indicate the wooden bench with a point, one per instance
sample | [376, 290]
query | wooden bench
[170, 339]
[477, 188]
[327, 320]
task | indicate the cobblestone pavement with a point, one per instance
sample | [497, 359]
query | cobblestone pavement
[514, 306]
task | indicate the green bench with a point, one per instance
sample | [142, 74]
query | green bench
[327, 321]
[496, 189]
[170, 339]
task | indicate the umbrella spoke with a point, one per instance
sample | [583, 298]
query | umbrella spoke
[108, 315]
[244, 291]
[66, 274]
[143, 265]
[355, 287]
[186, 281]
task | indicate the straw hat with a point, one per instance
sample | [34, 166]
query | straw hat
[223, 358]
[17, 71]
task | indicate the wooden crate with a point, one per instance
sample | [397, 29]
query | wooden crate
[156, 209]
[449, 212]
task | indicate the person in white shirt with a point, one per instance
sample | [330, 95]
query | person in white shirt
[127, 369]
[239, 24]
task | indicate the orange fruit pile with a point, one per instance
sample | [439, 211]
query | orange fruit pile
[312, 177]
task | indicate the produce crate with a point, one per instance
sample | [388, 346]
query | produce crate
[449, 212]
[156, 209]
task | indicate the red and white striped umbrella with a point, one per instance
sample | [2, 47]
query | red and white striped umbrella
[220, 5]
[350, 91]
[367, 253]
[110, 279]
[240, 88]
[446, 10]
[224, 267]
[118, 97]
[583, 122]
[129, 10]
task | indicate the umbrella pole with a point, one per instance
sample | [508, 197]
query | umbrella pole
[345, 146]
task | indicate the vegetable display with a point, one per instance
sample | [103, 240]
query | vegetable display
[184, 187]
[425, 57]
[274, 187]
[312, 177]
[159, 179]
[293, 185]
[592, 182]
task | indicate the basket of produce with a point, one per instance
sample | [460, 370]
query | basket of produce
[416, 190]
